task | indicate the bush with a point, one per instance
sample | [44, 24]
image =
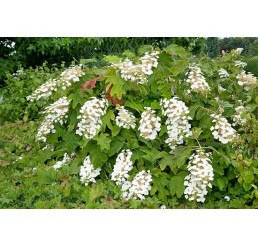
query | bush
[252, 65]
[33, 51]
[165, 128]
[19, 85]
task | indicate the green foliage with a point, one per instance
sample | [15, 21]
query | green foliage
[28, 179]
[115, 83]
[252, 65]
[253, 49]
[18, 87]
[176, 184]
[215, 45]
[32, 52]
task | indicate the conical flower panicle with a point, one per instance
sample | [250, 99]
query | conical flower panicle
[223, 73]
[70, 75]
[125, 118]
[177, 121]
[55, 113]
[91, 113]
[44, 91]
[200, 176]
[247, 80]
[149, 124]
[139, 187]
[240, 64]
[222, 129]
[237, 117]
[87, 172]
[122, 167]
[197, 80]
[138, 72]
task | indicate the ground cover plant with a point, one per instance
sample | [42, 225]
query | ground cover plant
[157, 129]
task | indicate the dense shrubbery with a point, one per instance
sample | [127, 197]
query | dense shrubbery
[18, 86]
[252, 65]
[161, 128]
[31, 52]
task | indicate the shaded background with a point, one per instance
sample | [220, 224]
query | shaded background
[31, 52]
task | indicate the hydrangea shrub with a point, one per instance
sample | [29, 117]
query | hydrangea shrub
[163, 126]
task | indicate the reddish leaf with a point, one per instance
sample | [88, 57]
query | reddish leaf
[89, 84]
[108, 200]
[109, 97]
[114, 101]
[117, 101]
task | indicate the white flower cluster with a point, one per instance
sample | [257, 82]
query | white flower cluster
[240, 64]
[72, 74]
[139, 187]
[87, 172]
[18, 73]
[197, 80]
[91, 113]
[122, 167]
[44, 91]
[48, 147]
[223, 73]
[227, 198]
[56, 113]
[125, 119]
[222, 130]
[177, 121]
[149, 124]
[139, 71]
[60, 164]
[239, 50]
[237, 117]
[45, 128]
[148, 61]
[201, 174]
[247, 80]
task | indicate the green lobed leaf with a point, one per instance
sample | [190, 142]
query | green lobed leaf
[176, 50]
[116, 145]
[176, 184]
[103, 141]
[96, 156]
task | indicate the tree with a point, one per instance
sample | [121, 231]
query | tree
[212, 46]
[32, 52]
